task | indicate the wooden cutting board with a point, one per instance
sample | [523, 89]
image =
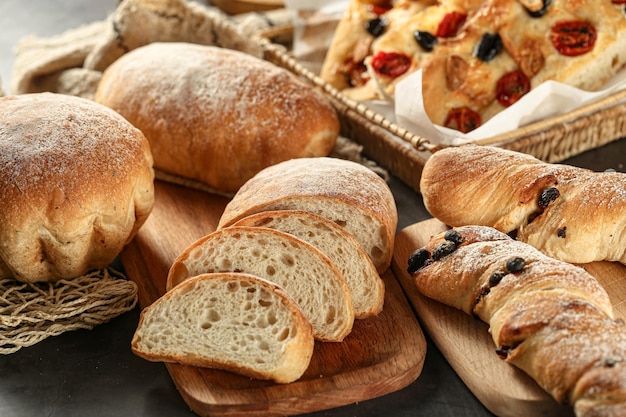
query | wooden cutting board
[380, 356]
[466, 344]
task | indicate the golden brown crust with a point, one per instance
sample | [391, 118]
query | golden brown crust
[350, 44]
[569, 213]
[340, 190]
[76, 181]
[608, 382]
[551, 319]
[217, 115]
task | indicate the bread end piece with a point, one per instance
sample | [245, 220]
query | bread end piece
[342, 191]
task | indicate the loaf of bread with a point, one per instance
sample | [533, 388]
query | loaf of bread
[550, 318]
[345, 192]
[76, 183]
[366, 288]
[303, 271]
[231, 321]
[568, 213]
[216, 115]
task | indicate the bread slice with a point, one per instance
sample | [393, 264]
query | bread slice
[231, 321]
[302, 270]
[366, 287]
[343, 191]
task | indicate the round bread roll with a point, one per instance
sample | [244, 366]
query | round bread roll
[76, 182]
[216, 115]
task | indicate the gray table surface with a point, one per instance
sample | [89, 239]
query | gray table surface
[94, 373]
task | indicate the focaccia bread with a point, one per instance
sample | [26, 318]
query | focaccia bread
[551, 319]
[216, 115]
[478, 57]
[199, 323]
[569, 213]
[76, 183]
[345, 66]
[342, 191]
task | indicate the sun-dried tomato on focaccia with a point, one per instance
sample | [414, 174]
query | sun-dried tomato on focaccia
[479, 57]
[458, 81]
[577, 42]
[363, 22]
[407, 44]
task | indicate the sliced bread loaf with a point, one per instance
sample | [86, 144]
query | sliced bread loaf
[345, 192]
[231, 321]
[302, 270]
[366, 287]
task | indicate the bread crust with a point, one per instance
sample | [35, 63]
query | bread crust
[337, 189]
[217, 115]
[76, 184]
[583, 221]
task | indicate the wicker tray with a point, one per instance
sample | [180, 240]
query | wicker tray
[404, 153]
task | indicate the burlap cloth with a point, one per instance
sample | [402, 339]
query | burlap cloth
[72, 63]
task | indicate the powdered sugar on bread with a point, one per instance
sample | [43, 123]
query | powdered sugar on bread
[75, 131]
[344, 192]
[76, 181]
[550, 318]
[569, 213]
[217, 115]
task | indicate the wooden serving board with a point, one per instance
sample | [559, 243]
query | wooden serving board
[381, 355]
[466, 344]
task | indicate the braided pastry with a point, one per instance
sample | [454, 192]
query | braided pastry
[549, 318]
[572, 214]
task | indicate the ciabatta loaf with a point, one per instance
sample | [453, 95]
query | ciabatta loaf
[569, 213]
[302, 270]
[76, 183]
[215, 115]
[345, 192]
[550, 318]
[366, 288]
[232, 321]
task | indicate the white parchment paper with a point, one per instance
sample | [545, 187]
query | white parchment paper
[547, 100]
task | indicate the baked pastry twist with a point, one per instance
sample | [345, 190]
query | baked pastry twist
[549, 318]
[572, 214]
